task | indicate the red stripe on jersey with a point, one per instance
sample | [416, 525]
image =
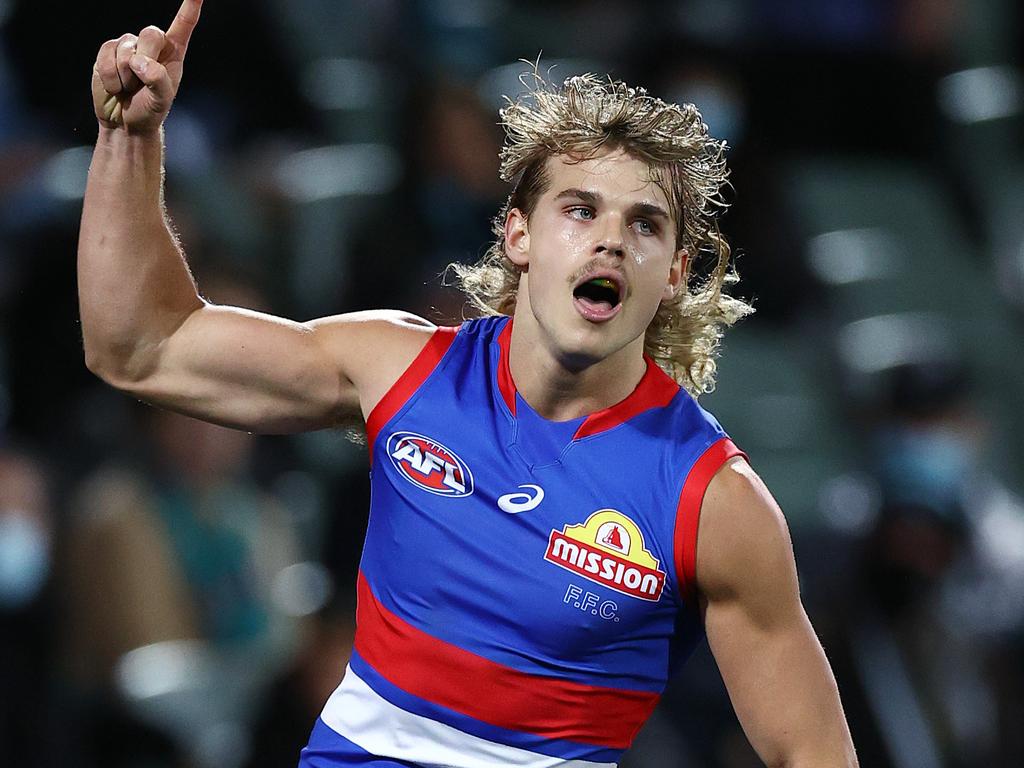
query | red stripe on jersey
[655, 390]
[452, 677]
[688, 512]
[408, 382]
[506, 386]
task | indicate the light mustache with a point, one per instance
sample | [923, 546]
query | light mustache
[590, 266]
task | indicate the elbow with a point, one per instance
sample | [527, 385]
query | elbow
[106, 370]
[113, 367]
[96, 360]
[842, 758]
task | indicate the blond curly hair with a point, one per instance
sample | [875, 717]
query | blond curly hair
[588, 115]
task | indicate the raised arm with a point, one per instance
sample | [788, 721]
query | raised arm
[146, 329]
[776, 672]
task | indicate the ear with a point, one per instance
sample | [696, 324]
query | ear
[676, 273]
[517, 238]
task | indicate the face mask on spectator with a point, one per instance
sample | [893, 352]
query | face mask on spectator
[927, 468]
[24, 559]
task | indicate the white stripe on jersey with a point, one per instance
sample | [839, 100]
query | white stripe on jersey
[371, 722]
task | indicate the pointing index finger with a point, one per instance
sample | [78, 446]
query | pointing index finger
[184, 23]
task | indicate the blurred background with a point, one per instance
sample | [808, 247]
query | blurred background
[176, 594]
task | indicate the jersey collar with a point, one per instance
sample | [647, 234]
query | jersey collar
[655, 390]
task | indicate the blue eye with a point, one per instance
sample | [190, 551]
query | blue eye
[582, 212]
[644, 227]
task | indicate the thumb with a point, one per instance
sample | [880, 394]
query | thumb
[154, 76]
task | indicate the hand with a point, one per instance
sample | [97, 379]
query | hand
[136, 77]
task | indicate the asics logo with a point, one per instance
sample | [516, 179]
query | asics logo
[514, 503]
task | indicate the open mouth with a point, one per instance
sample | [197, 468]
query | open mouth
[598, 298]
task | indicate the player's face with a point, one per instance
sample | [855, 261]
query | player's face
[598, 256]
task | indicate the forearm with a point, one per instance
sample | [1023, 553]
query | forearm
[783, 690]
[134, 286]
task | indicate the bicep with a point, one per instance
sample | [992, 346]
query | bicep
[774, 668]
[258, 372]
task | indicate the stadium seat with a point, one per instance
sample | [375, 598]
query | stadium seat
[774, 400]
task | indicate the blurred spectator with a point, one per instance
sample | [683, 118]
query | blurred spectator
[26, 611]
[191, 549]
[454, 143]
[932, 457]
[183, 546]
[780, 284]
[924, 640]
[188, 551]
[295, 700]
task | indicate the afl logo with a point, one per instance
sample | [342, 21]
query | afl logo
[429, 465]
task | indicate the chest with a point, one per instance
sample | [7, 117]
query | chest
[497, 523]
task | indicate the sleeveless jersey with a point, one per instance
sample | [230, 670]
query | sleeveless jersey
[525, 585]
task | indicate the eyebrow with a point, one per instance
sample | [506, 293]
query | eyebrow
[593, 198]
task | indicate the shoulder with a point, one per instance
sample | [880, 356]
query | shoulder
[743, 547]
[390, 326]
[373, 348]
[736, 488]
[374, 334]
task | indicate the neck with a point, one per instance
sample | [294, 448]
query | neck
[560, 385]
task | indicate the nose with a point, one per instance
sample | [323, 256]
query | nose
[610, 241]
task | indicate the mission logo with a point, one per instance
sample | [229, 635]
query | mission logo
[608, 549]
[429, 465]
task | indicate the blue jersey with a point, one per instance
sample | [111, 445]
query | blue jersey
[525, 585]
